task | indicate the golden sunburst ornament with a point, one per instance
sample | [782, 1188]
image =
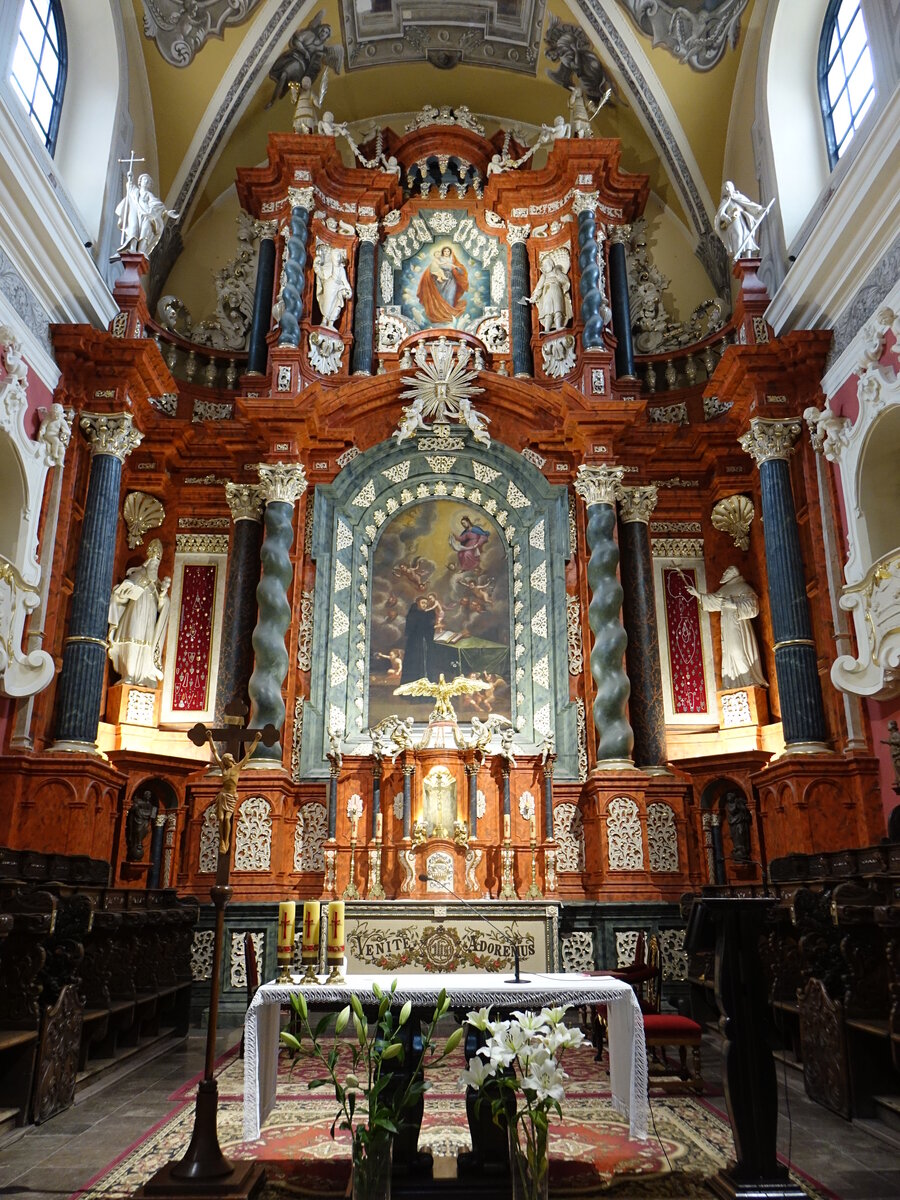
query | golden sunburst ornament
[442, 389]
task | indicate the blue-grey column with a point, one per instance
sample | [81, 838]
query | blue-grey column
[648, 718]
[239, 618]
[334, 771]
[547, 770]
[599, 487]
[472, 778]
[280, 484]
[504, 769]
[156, 849]
[80, 693]
[258, 350]
[364, 302]
[770, 444]
[294, 266]
[408, 769]
[377, 770]
[520, 314]
[594, 305]
[619, 301]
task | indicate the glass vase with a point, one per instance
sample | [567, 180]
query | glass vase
[372, 1163]
[529, 1165]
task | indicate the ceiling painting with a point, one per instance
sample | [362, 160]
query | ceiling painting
[695, 32]
[181, 28]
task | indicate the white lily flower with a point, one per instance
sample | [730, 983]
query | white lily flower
[546, 1081]
[531, 1022]
[564, 1038]
[480, 1019]
[477, 1072]
[555, 1016]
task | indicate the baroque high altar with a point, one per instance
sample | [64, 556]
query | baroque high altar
[440, 458]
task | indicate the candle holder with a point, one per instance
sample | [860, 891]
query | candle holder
[337, 972]
[376, 890]
[351, 891]
[309, 976]
[330, 882]
[507, 875]
[534, 892]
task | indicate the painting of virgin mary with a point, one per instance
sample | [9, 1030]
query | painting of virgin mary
[443, 286]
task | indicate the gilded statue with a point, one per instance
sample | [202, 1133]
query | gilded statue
[442, 691]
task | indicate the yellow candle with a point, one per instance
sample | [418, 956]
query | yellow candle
[379, 826]
[506, 827]
[354, 825]
[310, 935]
[287, 913]
[533, 827]
[335, 942]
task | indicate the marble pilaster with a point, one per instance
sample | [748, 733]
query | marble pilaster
[642, 662]
[599, 486]
[280, 485]
[236, 653]
[770, 444]
[364, 302]
[112, 436]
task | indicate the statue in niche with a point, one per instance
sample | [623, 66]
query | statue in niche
[739, 824]
[737, 220]
[141, 216]
[137, 825]
[442, 287]
[439, 802]
[138, 616]
[738, 604]
[332, 285]
[552, 294]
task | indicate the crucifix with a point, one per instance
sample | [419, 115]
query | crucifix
[131, 160]
[204, 1171]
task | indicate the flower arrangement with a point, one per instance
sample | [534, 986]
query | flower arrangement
[373, 1101]
[518, 1071]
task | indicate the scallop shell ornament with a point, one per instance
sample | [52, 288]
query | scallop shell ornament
[141, 512]
[734, 515]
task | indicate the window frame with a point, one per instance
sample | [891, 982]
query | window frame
[829, 28]
[55, 12]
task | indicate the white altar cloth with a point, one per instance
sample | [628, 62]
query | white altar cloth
[627, 1050]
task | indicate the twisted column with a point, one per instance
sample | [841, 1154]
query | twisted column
[112, 436]
[258, 351]
[364, 303]
[642, 663]
[519, 314]
[294, 268]
[619, 301]
[236, 654]
[280, 485]
[594, 305]
[599, 487]
[770, 445]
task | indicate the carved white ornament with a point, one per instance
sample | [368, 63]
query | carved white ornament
[568, 833]
[209, 841]
[253, 835]
[442, 389]
[626, 946]
[734, 515]
[526, 806]
[735, 709]
[202, 955]
[623, 833]
[672, 955]
[574, 643]
[305, 632]
[662, 838]
[309, 837]
[325, 353]
[281, 482]
[581, 729]
[238, 959]
[558, 355]
[141, 512]
[577, 950]
[297, 740]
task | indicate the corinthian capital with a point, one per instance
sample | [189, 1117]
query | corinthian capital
[245, 501]
[367, 233]
[111, 433]
[585, 202]
[619, 233]
[767, 440]
[637, 503]
[285, 482]
[300, 197]
[601, 484]
[517, 233]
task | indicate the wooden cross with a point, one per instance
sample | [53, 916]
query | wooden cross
[234, 733]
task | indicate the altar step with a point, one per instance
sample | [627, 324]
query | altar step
[445, 1184]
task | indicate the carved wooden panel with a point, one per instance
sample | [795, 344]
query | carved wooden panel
[57, 1065]
[824, 1048]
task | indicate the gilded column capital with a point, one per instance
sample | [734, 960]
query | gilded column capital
[245, 501]
[637, 503]
[600, 484]
[368, 233]
[585, 202]
[517, 233]
[285, 482]
[300, 197]
[767, 439]
[111, 433]
[619, 234]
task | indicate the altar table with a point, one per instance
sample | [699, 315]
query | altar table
[627, 1051]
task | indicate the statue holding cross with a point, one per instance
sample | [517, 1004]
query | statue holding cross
[234, 734]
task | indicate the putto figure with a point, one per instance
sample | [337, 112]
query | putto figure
[141, 217]
[138, 616]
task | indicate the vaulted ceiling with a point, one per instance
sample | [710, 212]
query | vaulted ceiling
[672, 66]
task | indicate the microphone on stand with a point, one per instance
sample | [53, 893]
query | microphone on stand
[424, 878]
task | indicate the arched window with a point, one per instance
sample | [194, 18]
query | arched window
[38, 73]
[846, 78]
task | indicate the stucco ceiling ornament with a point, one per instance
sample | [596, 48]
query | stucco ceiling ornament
[698, 38]
[181, 28]
[734, 515]
[442, 389]
[142, 512]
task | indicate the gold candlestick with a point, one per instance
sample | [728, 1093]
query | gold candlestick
[351, 892]
[534, 892]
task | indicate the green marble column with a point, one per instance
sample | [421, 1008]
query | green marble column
[599, 487]
[280, 485]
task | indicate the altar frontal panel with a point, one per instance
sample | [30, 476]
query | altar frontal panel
[408, 936]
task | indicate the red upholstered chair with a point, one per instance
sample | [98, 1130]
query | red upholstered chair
[637, 973]
[663, 1029]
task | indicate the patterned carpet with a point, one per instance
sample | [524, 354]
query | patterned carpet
[591, 1154]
